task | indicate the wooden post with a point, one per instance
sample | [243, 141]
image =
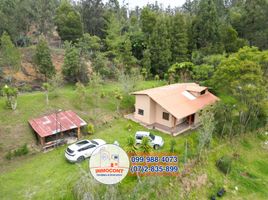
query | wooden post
[42, 140]
[78, 133]
[174, 125]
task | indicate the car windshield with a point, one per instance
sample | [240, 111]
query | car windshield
[151, 136]
[69, 150]
[94, 142]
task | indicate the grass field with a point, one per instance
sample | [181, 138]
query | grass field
[15, 130]
[49, 176]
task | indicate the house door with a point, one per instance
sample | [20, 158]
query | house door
[190, 119]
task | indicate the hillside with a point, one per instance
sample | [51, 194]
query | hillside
[79, 77]
[27, 72]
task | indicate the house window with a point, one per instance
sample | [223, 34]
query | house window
[140, 112]
[203, 92]
[165, 116]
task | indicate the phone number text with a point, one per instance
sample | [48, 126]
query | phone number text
[154, 159]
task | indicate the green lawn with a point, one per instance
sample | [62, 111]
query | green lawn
[49, 176]
[15, 131]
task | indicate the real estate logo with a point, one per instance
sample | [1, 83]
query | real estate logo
[109, 164]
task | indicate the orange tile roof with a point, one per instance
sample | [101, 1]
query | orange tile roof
[177, 100]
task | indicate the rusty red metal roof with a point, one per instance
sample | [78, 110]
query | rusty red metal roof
[55, 123]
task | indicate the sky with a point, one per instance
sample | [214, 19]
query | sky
[141, 3]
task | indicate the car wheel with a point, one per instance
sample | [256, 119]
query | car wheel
[156, 146]
[80, 159]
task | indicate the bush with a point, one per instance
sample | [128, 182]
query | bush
[102, 95]
[9, 155]
[25, 88]
[224, 164]
[156, 78]
[172, 146]
[90, 128]
[129, 127]
[23, 150]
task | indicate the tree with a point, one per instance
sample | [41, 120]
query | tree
[160, 47]
[225, 115]
[241, 76]
[128, 81]
[230, 39]
[202, 72]
[118, 96]
[95, 85]
[11, 94]
[42, 59]
[118, 44]
[206, 27]
[81, 93]
[179, 39]
[131, 145]
[145, 145]
[55, 82]
[207, 128]
[89, 45]
[137, 37]
[9, 54]
[148, 22]
[126, 56]
[103, 66]
[15, 17]
[146, 61]
[184, 70]
[92, 13]
[254, 22]
[114, 37]
[46, 87]
[44, 11]
[68, 21]
[132, 149]
[74, 68]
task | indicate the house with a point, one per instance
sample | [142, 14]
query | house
[53, 128]
[173, 108]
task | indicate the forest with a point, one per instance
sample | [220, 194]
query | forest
[89, 55]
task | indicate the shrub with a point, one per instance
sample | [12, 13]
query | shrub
[224, 164]
[25, 88]
[90, 128]
[9, 155]
[129, 127]
[156, 77]
[23, 150]
[172, 145]
[102, 95]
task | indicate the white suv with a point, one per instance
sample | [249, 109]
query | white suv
[155, 141]
[82, 149]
